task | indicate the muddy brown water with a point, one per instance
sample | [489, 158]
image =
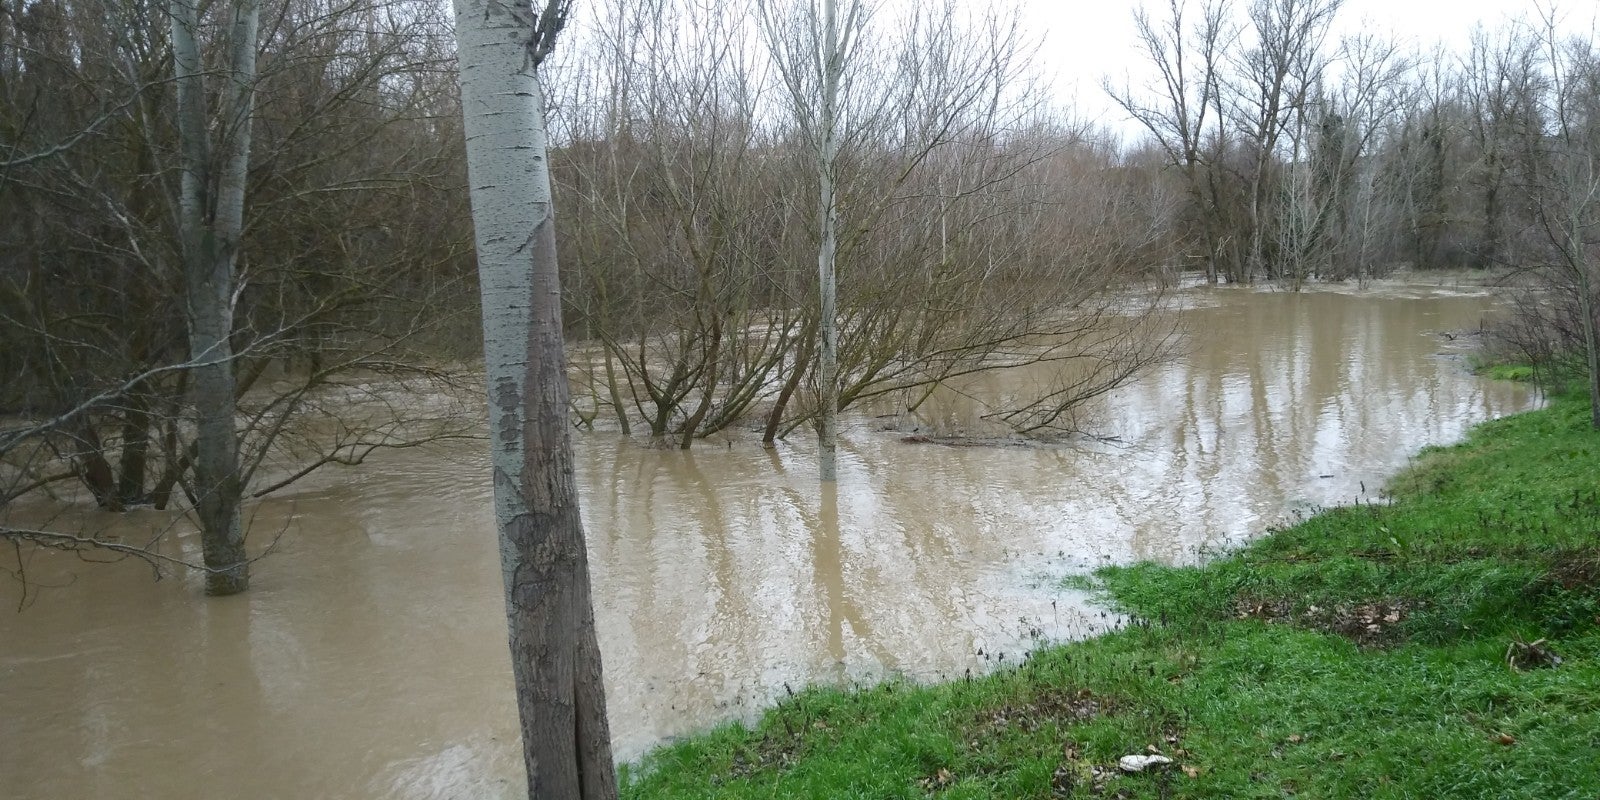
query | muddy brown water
[368, 659]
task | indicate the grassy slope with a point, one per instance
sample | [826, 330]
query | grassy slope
[1361, 653]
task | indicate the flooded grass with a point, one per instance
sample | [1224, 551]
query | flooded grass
[1443, 643]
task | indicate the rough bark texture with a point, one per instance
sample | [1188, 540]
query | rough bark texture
[211, 211]
[555, 656]
[134, 462]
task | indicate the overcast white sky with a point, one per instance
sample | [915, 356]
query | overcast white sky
[1086, 39]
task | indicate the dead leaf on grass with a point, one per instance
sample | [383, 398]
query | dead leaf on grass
[1522, 655]
[938, 780]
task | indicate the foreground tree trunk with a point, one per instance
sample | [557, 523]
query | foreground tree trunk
[211, 220]
[555, 657]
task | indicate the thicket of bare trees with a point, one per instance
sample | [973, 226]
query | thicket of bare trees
[223, 229]
[1550, 88]
[1273, 129]
[1305, 156]
[970, 227]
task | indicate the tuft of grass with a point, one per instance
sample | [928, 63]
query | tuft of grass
[1521, 373]
[1558, 375]
[1397, 650]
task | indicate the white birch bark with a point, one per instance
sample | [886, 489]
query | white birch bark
[828, 213]
[211, 222]
[544, 563]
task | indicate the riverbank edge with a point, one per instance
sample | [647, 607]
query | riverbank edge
[1444, 642]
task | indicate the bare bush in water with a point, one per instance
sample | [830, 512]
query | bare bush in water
[973, 224]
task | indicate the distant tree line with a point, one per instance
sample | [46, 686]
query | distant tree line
[1302, 156]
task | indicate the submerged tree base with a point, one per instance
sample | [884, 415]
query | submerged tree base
[224, 583]
[1444, 645]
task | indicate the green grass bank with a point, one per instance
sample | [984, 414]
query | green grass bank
[1383, 651]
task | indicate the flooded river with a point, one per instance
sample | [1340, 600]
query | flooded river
[369, 659]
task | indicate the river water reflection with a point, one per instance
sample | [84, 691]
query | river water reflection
[368, 660]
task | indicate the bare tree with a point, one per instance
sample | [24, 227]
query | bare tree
[1564, 183]
[1495, 84]
[1374, 89]
[685, 228]
[1182, 111]
[1275, 78]
[554, 653]
[815, 49]
[211, 221]
[1330, 134]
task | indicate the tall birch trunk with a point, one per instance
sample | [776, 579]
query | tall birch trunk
[828, 212]
[555, 657]
[211, 221]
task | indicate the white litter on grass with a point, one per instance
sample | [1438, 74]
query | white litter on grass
[1141, 763]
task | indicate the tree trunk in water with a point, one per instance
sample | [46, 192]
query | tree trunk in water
[173, 462]
[555, 656]
[802, 365]
[132, 466]
[828, 211]
[616, 396]
[709, 395]
[210, 227]
[93, 469]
